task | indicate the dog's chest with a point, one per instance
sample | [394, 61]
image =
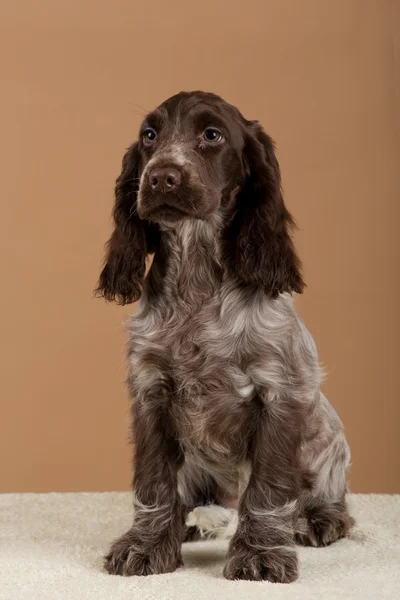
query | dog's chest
[211, 401]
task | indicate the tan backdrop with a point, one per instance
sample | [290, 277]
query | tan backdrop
[76, 80]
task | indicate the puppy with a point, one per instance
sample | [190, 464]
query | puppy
[223, 374]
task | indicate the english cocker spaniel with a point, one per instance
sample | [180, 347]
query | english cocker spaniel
[223, 374]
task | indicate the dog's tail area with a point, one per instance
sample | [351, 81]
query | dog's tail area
[213, 521]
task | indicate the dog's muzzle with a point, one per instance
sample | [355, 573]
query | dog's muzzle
[164, 195]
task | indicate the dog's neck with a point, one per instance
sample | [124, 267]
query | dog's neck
[187, 268]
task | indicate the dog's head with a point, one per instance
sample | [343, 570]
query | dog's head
[197, 156]
[190, 158]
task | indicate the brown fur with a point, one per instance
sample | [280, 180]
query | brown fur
[223, 375]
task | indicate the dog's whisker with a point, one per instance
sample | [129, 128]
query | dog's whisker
[145, 110]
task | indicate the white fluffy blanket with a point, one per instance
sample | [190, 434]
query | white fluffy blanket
[52, 547]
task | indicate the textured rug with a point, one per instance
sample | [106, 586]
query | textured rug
[51, 547]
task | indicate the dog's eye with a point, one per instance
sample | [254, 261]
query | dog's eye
[149, 136]
[212, 135]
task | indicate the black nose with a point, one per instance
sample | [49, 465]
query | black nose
[164, 179]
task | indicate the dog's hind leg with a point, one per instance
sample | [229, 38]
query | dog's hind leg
[324, 516]
[211, 521]
[209, 508]
[323, 523]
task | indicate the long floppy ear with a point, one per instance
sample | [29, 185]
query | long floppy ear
[132, 239]
[259, 247]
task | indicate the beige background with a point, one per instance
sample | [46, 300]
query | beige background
[322, 76]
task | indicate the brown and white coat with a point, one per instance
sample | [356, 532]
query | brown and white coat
[223, 374]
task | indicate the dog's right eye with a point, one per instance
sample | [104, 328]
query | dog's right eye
[149, 136]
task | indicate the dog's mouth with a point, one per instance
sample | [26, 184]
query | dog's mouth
[171, 207]
[165, 213]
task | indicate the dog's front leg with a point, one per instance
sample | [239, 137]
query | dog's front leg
[263, 546]
[153, 544]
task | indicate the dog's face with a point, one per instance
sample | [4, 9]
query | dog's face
[190, 158]
[197, 156]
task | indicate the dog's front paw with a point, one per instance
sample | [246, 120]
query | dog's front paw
[278, 565]
[133, 555]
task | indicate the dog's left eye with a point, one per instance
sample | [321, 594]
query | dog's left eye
[212, 135]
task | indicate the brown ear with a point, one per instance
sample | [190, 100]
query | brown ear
[259, 247]
[132, 239]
